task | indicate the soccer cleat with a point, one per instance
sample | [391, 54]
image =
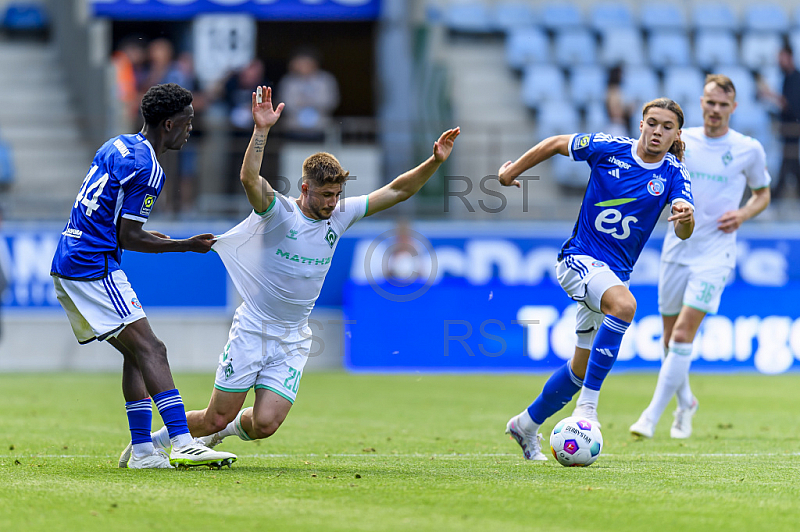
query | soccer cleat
[644, 428]
[157, 460]
[210, 441]
[531, 446]
[125, 456]
[682, 426]
[197, 454]
[586, 411]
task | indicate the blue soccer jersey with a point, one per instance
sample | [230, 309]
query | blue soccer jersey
[124, 181]
[623, 200]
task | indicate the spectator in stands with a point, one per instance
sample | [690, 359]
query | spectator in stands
[129, 66]
[617, 109]
[789, 104]
[162, 67]
[310, 94]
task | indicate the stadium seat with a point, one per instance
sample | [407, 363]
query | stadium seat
[587, 84]
[569, 173]
[713, 16]
[640, 84]
[668, 48]
[683, 84]
[527, 46]
[662, 16]
[542, 83]
[557, 117]
[512, 15]
[752, 120]
[622, 46]
[561, 15]
[472, 17]
[745, 85]
[714, 48]
[6, 164]
[610, 16]
[25, 17]
[692, 112]
[576, 46]
[596, 116]
[773, 77]
[760, 49]
[765, 17]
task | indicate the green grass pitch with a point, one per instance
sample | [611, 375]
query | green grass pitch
[406, 452]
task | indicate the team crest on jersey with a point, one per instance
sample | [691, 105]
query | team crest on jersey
[147, 205]
[292, 234]
[580, 142]
[331, 237]
[656, 185]
[135, 303]
[727, 158]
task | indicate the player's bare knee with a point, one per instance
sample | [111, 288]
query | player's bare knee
[264, 428]
[624, 309]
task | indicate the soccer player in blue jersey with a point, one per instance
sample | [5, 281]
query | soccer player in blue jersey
[114, 201]
[631, 182]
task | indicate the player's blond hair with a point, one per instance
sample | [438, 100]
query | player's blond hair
[670, 105]
[322, 168]
[723, 82]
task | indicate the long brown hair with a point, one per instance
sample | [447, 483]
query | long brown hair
[670, 105]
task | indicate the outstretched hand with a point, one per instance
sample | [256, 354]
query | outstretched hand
[263, 113]
[201, 243]
[443, 146]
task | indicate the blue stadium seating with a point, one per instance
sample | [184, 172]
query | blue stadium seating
[683, 84]
[742, 79]
[622, 46]
[760, 49]
[561, 15]
[714, 16]
[575, 47]
[713, 48]
[662, 16]
[668, 47]
[526, 46]
[469, 18]
[610, 16]
[766, 17]
[512, 15]
[542, 83]
[556, 118]
[587, 83]
[640, 84]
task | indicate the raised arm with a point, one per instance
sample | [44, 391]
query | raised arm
[407, 184]
[258, 190]
[550, 146]
[134, 238]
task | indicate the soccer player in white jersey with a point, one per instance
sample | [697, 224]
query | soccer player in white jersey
[115, 200]
[278, 258]
[721, 162]
[630, 183]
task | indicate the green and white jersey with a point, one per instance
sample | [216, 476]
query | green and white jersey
[278, 261]
[720, 168]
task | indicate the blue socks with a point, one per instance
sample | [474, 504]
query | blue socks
[604, 351]
[170, 406]
[557, 392]
[140, 419]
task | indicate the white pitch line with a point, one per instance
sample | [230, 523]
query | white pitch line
[439, 455]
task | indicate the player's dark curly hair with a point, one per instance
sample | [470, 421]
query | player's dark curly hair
[164, 101]
[670, 105]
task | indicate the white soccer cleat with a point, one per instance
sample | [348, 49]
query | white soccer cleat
[531, 445]
[210, 441]
[586, 411]
[197, 454]
[682, 426]
[125, 456]
[157, 460]
[644, 428]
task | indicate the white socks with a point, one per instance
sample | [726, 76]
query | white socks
[588, 396]
[674, 374]
[526, 423]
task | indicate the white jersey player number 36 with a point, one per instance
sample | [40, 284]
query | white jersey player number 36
[613, 216]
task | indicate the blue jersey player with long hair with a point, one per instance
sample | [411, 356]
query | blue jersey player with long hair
[631, 182]
[114, 201]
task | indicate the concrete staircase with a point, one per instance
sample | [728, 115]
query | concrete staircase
[40, 123]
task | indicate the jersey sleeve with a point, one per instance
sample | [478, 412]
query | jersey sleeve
[141, 187]
[351, 210]
[681, 189]
[585, 147]
[756, 172]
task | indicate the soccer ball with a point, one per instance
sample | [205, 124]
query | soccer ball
[576, 442]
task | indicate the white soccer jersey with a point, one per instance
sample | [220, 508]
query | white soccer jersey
[720, 168]
[278, 260]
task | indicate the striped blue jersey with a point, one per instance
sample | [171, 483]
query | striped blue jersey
[124, 181]
[623, 200]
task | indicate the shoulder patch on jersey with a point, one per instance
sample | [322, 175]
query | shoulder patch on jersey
[147, 204]
[580, 142]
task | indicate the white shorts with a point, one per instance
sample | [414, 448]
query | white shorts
[698, 287]
[253, 359]
[98, 310]
[585, 280]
